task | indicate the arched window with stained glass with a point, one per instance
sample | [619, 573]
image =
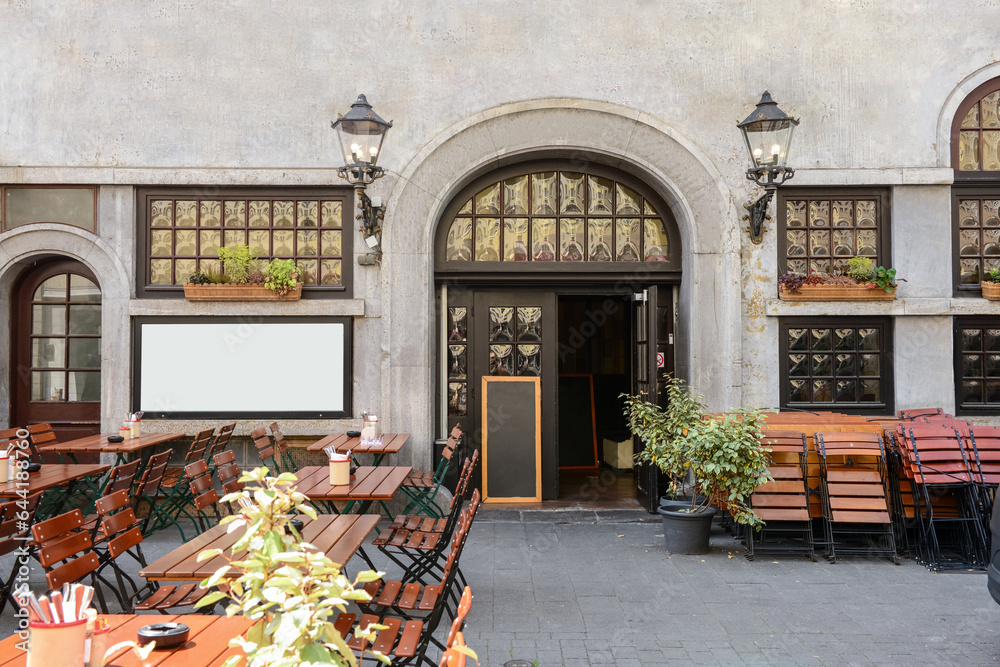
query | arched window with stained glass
[555, 215]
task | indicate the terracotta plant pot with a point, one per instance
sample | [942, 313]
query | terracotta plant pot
[837, 293]
[991, 291]
[244, 292]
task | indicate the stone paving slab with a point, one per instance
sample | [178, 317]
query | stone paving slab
[602, 592]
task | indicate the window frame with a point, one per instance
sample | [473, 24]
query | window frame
[3, 206]
[959, 323]
[883, 218]
[145, 195]
[887, 363]
[569, 271]
[974, 190]
[973, 98]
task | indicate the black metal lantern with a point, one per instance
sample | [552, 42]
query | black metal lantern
[360, 133]
[767, 133]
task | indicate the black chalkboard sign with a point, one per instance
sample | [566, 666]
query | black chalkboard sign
[512, 439]
[577, 429]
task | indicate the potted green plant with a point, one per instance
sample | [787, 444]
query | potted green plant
[991, 285]
[288, 585]
[244, 278]
[862, 281]
[722, 456]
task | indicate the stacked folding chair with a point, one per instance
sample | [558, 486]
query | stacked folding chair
[174, 494]
[982, 446]
[946, 503]
[266, 449]
[219, 443]
[282, 452]
[853, 488]
[783, 503]
[16, 519]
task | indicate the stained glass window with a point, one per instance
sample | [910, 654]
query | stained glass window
[557, 216]
[821, 232]
[184, 233]
[836, 364]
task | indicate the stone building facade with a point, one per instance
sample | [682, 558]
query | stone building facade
[208, 102]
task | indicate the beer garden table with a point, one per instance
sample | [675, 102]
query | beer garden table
[53, 476]
[391, 444]
[207, 645]
[339, 536]
[98, 444]
[368, 484]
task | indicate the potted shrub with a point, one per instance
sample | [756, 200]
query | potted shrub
[288, 585]
[722, 456]
[991, 285]
[244, 279]
[863, 281]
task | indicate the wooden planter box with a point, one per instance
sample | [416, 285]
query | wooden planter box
[837, 293]
[224, 292]
[991, 291]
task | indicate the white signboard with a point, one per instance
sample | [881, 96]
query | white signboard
[238, 367]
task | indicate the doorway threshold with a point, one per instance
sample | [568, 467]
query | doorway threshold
[508, 513]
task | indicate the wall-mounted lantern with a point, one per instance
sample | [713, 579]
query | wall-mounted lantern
[767, 133]
[360, 133]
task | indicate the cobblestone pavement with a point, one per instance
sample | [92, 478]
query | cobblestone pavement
[578, 588]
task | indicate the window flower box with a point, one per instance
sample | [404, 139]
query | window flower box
[991, 290]
[238, 292]
[866, 292]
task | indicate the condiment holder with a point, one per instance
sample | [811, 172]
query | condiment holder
[340, 469]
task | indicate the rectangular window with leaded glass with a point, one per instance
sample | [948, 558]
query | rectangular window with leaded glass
[977, 234]
[977, 365]
[837, 363]
[180, 232]
[819, 231]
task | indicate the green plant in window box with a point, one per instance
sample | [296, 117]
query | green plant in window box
[991, 285]
[281, 275]
[288, 585]
[199, 278]
[237, 262]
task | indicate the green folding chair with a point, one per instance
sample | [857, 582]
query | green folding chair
[422, 486]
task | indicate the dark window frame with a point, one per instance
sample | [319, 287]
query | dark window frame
[973, 190]
[886, 364]
[3, 206]
[883, 218]
[145, 195]
[971, 100]
[348, 361]
[958, 324]
[532, 270]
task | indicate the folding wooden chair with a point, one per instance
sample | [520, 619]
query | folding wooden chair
[16, 519]
[265, 448]
[148, 491]
[783, 503]
[203, 494]
[228, 474]
[422, 486]
[219, 443]
[855, 509]
[175, 490]
[453, 656]
[66, 553]
[281, 449]
[406, 641]
[914, 413]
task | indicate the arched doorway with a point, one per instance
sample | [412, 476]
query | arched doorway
[566, 271]
[56, 351]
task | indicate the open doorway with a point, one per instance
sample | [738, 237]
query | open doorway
[595, 368]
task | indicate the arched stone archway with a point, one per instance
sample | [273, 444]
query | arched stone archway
[20, 248]
[709, 336]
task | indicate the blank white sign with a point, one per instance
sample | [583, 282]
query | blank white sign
[242, 367]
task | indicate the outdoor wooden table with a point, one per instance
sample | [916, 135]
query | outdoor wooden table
[368, 484]
[338, 535]
[207, 645]
[97, 444]
[391, 444]
[50, 476]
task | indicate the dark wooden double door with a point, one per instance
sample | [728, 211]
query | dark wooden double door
[515, 333]
[56, 351]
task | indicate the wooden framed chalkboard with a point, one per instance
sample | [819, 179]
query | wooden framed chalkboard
[512, 439]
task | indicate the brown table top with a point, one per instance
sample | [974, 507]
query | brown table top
[391, 443]
[52, 475]
[338, 535]
[99, 443]
[367, 483]
[207, 645]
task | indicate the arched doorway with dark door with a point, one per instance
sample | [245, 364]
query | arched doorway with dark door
[56, 348]
[562, 273]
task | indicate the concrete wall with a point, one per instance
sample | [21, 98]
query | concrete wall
[121, 94]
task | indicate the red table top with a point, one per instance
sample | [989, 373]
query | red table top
[52, 475]
[367, 483]
[391, 443]
[207, 645]
[99, 443]
[338, 535]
